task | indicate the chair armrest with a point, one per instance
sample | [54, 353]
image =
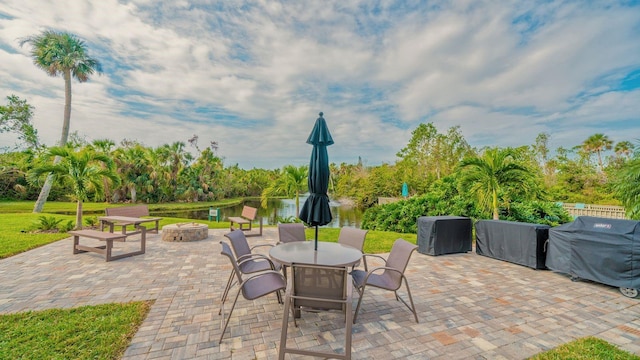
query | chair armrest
[257, 246]
[252, 255]
[259, 257]
[364, 258]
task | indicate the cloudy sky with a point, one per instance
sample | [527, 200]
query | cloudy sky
[253, 75]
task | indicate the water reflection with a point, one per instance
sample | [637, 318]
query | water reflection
[277, 209]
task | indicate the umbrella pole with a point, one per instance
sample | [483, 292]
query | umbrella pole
[316, 244]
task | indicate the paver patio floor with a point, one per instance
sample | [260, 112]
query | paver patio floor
[470, 306]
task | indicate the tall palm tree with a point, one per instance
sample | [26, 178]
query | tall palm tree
[60, 53]
[490, 174]
[597, 143]
[291, 182]
[84, 170]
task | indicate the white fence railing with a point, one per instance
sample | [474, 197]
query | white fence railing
[605, 211]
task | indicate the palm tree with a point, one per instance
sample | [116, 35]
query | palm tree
[597, 143]
[60, 53]
[627, 187]
[104, 146]
[84, 170]
[623, 148]
[495, 171]
[291, 182]
[133, 168]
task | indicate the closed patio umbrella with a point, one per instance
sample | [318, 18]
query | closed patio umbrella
[316, 211]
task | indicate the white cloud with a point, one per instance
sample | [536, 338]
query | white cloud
[253, 75]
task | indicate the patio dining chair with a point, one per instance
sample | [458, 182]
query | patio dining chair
[355, 238]
[252, 287]
[248, 261]
[291, 232]
[317, 288]
[388, 277]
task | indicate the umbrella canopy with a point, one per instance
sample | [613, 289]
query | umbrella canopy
[316, 211]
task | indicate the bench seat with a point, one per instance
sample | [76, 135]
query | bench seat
[245, 221]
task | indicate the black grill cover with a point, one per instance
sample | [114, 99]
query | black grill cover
[516, 242]
[598, 249]
[438, 235]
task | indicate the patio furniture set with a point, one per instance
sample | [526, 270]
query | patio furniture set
[313, 280]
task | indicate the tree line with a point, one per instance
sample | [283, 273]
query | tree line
[499, 179]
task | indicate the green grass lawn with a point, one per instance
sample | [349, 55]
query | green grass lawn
[589, 348]
[88, 332]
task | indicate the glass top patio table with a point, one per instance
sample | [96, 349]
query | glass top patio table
[302, 252]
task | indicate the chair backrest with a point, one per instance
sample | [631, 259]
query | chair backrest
[239, 243]
[249, 212]
[399, 259]
[352, 237]
[320, 286]
[226, 251]
[291, 232]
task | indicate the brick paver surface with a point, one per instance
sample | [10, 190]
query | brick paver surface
[469, 306]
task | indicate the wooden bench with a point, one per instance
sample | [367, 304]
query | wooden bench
[245, 220]
[133, 213]
[109, 238]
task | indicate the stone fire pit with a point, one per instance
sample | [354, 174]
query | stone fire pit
[185, 232]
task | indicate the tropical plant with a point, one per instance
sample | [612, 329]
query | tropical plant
[47, 223]
[83, 170]
[133, 168]
[494, 172]
[597, 143]
[290, 183]
[627, 187]
[60, 53]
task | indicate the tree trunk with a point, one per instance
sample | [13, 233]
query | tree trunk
[46, 188]
[44, 194]
[79, 216]
[67, 108]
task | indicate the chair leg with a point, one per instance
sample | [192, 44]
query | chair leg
[348, 325]
[285, 328]
[361, 293]
[413, 307]
[226, 291]
[230, 313]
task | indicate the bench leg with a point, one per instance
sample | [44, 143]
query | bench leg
[76, 242]
[143, 242]
[107, 250]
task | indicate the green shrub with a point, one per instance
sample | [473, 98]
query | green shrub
[91, 221]
[48, 222]
[67, 227]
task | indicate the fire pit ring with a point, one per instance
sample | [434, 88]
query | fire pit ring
[182, 232]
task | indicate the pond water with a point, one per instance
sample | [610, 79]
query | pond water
[276, 209]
